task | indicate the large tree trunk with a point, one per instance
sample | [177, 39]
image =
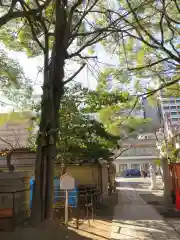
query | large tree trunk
[46, 150]
[166, 181]
[9, 165]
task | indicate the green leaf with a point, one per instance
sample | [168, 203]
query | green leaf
[140, 57]
[130, 44]
[91, 51]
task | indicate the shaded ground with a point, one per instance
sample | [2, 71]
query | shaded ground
[155, 199]
[151, 197]
[99, 229]
[135, 219]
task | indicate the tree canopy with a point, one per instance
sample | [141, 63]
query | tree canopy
[81, 137]
[149, 36]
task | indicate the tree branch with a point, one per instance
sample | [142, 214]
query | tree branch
[177, 6]
[6, 142]
[74, 75]
[161, 25]
[132, 109]
[149, 65]
[124, 150]
[21, 14]
[150, 93]
[153, 39]
[82, 57]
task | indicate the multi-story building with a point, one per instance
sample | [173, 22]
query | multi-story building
[137, 152]
[164, 112]
[169, 109]
[142, 150]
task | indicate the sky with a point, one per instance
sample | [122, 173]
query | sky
[88, 76]
[31, 65]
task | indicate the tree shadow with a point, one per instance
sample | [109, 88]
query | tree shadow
[99, 228]
[145, 230]
[48, 230]
[155, 198]
[134, 219]
[94, 234]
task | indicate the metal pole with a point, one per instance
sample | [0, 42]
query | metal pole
[66, 208]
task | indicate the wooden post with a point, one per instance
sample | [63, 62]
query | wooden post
[92, 203]
[77, 210]
[66, 208]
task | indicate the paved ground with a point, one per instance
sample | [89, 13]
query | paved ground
[134, 219]
[154, 198]
[97, 229]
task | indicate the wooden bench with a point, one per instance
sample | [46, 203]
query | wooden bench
[6, 219]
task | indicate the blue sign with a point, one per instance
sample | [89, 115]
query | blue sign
[59, 195]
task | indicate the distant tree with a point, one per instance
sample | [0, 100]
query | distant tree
[173, 90]
[81, 138]
[117, 108]
[14, 85]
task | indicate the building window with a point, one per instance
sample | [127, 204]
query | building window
[174, 119]
[135, 166]
[167, 101]
[122, 167]
[172, 107]
[173, 113]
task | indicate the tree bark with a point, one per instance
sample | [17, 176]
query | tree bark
[166, 180]
[64, 168]
[9, 165]
[49, 124]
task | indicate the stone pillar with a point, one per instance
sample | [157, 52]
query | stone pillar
[152, 171]
[128, 165]
[141, 169]
[162, 175]
[117, 167]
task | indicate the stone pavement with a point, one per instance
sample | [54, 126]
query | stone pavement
[135, 220]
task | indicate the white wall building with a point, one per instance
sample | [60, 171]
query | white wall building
[137, 152]
[170, 109]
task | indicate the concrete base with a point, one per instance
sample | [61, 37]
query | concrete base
[153, 187]
[153, 177]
